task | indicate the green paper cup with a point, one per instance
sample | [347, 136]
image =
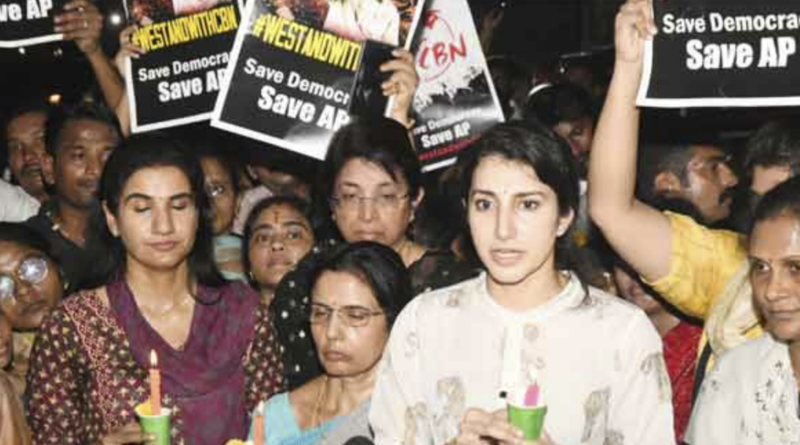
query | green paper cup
[530, 420]
[158, 425]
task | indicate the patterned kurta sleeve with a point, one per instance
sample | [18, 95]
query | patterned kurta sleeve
[57, 384]
[641, 396]
[398, 414]
[263, 366]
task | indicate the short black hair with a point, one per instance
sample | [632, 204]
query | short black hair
[25, 235]
[560, 103]
[134, 154]
[378, 140]
[59, 117]
[657, 158]
[776, 143]
[783, 200]
[380, 267]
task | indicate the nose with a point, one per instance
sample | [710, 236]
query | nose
[333, 330]
[94, 166]
[505, 228]
[727, 177]
[276, 244]
[29, 155]
[777, 286]
[24, 291]
[366, 209]
[163, 223]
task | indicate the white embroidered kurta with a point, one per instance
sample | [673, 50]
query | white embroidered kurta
[598, 359]
[369, 20]
[750, 398]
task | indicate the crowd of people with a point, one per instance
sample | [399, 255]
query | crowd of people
[649, 285]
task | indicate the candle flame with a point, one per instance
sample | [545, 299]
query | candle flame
[153, 359]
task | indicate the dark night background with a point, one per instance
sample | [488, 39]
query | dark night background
[531, 29]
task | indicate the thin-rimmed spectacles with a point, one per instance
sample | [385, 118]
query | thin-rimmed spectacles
[352, 316]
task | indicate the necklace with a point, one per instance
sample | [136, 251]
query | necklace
[320, 397]
[163, 312]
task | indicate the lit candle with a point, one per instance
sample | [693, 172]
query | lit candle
[155, 385]
[258, 425]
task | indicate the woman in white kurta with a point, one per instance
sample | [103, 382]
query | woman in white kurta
[456, 352]
[751, 397]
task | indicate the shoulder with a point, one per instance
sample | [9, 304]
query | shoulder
[688, 230]
[81, 301]
[622, 322]
[448, 296]
[277, 404]
[740, 360]
[438, 269]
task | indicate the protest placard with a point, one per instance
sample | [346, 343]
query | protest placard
[455, 101]
[28, 22]
[188, 46]
[723, 53]
[294, 65]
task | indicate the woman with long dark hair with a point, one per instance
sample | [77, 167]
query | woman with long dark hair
[158, 290]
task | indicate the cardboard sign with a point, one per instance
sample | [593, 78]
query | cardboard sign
[28, 22]
[723, 53]
[178, 80]
[455, 101]
[293, 72]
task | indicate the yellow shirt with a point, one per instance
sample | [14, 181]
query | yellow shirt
[708, 280]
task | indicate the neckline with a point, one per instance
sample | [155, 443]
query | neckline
[568, 297]
[155, 335]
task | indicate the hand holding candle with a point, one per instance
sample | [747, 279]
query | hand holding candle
[155, 385]
[527, 410]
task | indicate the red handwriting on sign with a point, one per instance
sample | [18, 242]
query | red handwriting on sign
[440, 46]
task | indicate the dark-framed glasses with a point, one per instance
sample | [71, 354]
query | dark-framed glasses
[32, 270]
[352, 316]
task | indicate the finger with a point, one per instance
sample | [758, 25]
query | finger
[403, 54]
[401, 78]
[398, 65]
[504, 432]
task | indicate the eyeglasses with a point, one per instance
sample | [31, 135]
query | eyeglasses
[352, 316]
[352, 202]
[32, 270]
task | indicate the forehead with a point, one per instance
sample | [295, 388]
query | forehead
[26, 122]
[214, 169]
[776, 237]
[495, 173]
[11, 253]
[706, 152]
[342, 289]
[280, 214]
[87, 130]
[157, 182]
[362, 173]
